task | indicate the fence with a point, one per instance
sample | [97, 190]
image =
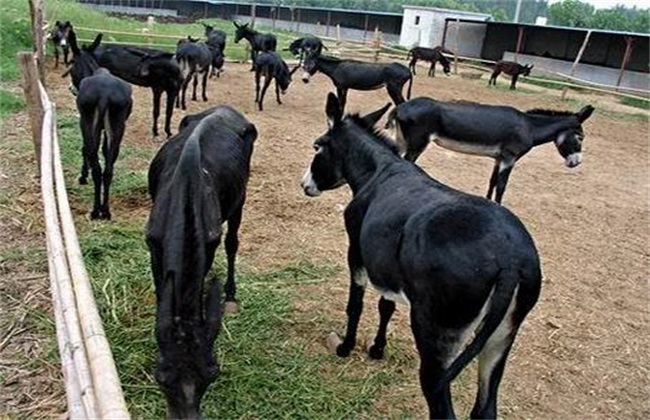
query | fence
[92, 385]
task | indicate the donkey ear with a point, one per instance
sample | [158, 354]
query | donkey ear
[585, 113]
[57, 23]
[96, 42]
[372, 118]
[236, 24]
[530, 67]
[72, 40]
[333, 110]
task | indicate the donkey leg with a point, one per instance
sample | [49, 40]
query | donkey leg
[412, 64]
[83, 177]
[358, 280]
[492, 361]
[386, 310]
[493, 179]
[195, 82]
[96, 172]
[277, 92]
[257, 86]
[232, 245]
[395, 93]
[513, 82]
[205, 81]
[56, 56]
[157, 93]
[505, 167]
[267, 82]
[434, 350]
[169, 110]
[342, 94]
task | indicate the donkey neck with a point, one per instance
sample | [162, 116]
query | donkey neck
[364, 158]
[327, 67]
[546, 128]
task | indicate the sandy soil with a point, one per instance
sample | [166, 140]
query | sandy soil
[583, 352]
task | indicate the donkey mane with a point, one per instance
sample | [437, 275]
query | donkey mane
[549, 112]
[375, 133]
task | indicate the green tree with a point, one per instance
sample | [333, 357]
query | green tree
[572, 13]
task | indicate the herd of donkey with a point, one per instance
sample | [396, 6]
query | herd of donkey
[465, 266]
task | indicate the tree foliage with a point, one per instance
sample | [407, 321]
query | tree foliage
[571, 13]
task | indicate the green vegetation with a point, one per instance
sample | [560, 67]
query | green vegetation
[643, 103]
[15, 36]
[10, 103]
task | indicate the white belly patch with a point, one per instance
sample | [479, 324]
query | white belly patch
[464, 147]
[399, 297]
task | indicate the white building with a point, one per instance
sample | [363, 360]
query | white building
[424, 27]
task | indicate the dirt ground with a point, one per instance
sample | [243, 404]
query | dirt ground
[584, 350]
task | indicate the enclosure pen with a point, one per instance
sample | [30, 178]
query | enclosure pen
[92, 385]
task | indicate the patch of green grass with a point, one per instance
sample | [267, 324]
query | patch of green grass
[265, 372]
[643, 103]
[15, 36]
[10, 103]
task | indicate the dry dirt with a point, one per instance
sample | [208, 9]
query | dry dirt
[583, 351]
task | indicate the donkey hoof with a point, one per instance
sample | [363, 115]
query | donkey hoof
[333, 342]
[95, 215]
[376, 352]
[230, 308]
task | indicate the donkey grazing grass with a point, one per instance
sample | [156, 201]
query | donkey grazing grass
[359, 75]
[510, 68]
[466, 267]
[432, 55]
[59, 38]
[271, 66]
[104, 103]
[197, 182]
[259, 42]
[500, 132]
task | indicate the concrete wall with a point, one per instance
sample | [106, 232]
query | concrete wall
[470, 39]
[320, 30]
[133, 10]
[430, 29]
[591, 73]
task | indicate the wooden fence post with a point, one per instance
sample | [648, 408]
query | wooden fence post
[36, 14]
[33, 99]
[457, 46]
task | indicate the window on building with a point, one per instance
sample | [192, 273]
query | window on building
[417, 20]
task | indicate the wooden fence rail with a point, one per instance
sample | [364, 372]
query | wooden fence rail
[92, 385]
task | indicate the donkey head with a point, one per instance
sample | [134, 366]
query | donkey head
[526, 69]
[569, 142]
[60, 32]
[84, 62]
[207, 29]
[326, 171]
[309, 67]
[185, 341]
[241, 31]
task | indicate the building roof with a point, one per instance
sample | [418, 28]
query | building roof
[449, 11]
[561, 28]
[288, 6]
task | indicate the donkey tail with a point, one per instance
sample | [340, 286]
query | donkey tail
[504, 292]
